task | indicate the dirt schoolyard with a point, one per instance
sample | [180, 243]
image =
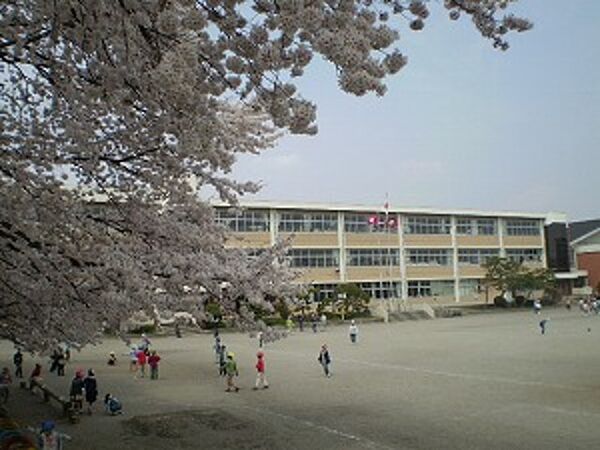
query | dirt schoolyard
[481, 381]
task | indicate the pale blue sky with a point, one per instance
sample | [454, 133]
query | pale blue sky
[462, 126]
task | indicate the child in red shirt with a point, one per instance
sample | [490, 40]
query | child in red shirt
[260, 372]
[141, 360]
[153, 361]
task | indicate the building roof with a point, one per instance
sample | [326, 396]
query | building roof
[581, 239]
[578, 230]
[380, 208]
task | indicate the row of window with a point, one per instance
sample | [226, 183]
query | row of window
[414, 256]
[254, 220]
[415, 288]
[476, 227]
[376, 289]
[373, 257]
[524, 254]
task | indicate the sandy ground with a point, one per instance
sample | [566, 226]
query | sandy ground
[483, 381]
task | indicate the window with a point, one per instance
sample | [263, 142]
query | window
[443, 288]
[468, 288]
[475, 226]
[428, 256]
[524, 254]
[522, 227]
[370, 223]
[311, 257]
[427, 225]
[464, 226]
[324, 291]
[486, 227]
[252, 220]
[308, 222]
[431, 288]
[373, 257]
[475, 256]
[383, 289]
[420, 288]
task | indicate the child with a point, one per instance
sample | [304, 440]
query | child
[289, 324]
[153, 361]
[141, 361]
[112, 405]
[217, 348]
[543, 325]
[231, 371]
[260, 372]
[61, 361]
[537, 306]
[49, 438]
[36, 375]
[112, 359]
[222, 360]
[353, 331]
[76, 392]
[18, 361]
[325, 360]
[145, 344]
[91, 390]
[133, 360]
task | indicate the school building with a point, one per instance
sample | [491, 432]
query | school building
[409, 254]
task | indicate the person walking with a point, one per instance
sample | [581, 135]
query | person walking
[325, 359]
[112, 359]
[36, 375]
[537, 306]
[231, 371]
[18, 362]
[543, 324]
[54, 358]
[261, 339]
[217, 348]
[301, 322]
[61, 361]
[91, 390]
[153, 361]
[289, 324]
[222, 360]
[76, 391]
[261, 378]
[141, 362]
[314, 323]
[353, 331]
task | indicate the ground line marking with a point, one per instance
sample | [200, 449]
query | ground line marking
[485, 378]
[308, 423]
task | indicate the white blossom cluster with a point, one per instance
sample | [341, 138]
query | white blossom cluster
[145, 102]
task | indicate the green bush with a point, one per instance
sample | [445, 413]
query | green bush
[274, 321]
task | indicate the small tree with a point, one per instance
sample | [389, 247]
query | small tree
[352, 299]
[511, 276]
[503, 275]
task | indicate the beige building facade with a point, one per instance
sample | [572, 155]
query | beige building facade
[412, 254]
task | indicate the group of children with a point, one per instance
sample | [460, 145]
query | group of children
[140, 356]
[228, 365]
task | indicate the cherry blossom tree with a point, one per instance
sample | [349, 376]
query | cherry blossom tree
[142, 103]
